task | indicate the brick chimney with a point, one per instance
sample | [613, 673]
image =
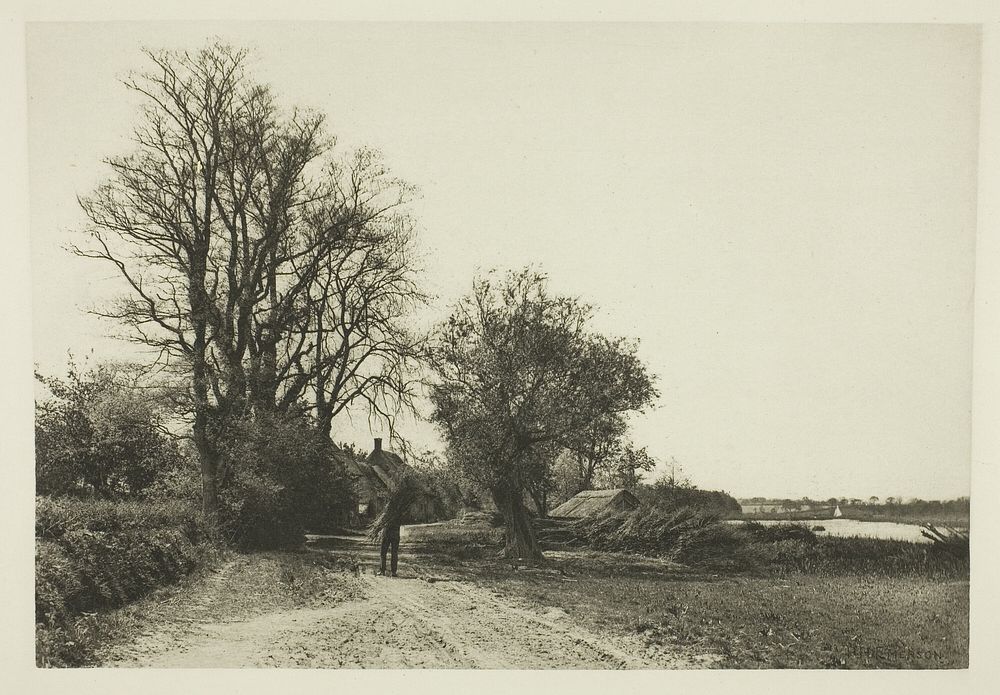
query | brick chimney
[378, 445]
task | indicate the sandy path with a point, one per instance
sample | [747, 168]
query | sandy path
[401, 623]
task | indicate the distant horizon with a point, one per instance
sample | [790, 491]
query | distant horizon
[865, 500]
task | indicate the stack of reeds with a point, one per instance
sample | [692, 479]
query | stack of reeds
[403, 492]
[648, 530]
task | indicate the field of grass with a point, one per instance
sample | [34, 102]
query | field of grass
[836, 603]
[801, 621]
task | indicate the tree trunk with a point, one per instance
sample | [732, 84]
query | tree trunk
[209, 488]
[207, 453]
[208, 458]
[324, 411]
[520, 541]
[265, 380]
[539, 498]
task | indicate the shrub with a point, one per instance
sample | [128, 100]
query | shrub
[649, 530]
[54, 517]
[779, 532]
[58, 585]
[669, 495]
[68, 643]
[115, 568]
[716, 547]
[948, 541]
[257, 512]
[99, 433]
[182, 482]
[280, 478]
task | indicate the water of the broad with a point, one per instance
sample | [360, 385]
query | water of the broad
[871, 529]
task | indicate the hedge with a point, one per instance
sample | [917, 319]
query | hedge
[92, 555]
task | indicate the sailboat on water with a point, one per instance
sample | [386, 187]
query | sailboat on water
[837, 513]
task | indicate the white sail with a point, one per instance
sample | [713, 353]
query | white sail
[837, 513]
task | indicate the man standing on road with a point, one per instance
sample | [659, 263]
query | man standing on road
[390, 538]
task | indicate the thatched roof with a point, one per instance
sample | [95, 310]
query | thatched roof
[592, 501]
[386, 463]
[374, 474]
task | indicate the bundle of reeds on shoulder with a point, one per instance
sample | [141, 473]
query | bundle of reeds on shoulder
[403, 492]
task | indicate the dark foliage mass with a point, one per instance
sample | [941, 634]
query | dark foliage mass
[280, 479]
[101, 434]
[518, 372]
[672, 496]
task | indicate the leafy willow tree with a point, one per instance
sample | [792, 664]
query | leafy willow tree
[268, 275]
[516, 372]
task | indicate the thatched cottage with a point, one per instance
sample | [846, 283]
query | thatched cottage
[373, 477]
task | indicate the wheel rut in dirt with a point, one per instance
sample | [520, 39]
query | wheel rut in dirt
[422, 622]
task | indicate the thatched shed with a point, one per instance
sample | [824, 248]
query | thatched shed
[594, 501]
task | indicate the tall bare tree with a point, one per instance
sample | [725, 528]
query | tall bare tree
[355, 312]
[227, 222]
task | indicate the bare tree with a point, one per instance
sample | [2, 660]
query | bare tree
[226, 225]
[355, 311]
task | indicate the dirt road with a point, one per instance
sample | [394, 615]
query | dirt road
[404, 622]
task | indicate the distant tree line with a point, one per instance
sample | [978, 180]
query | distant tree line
[960, 504]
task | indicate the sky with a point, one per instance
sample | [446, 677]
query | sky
[783, 215]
